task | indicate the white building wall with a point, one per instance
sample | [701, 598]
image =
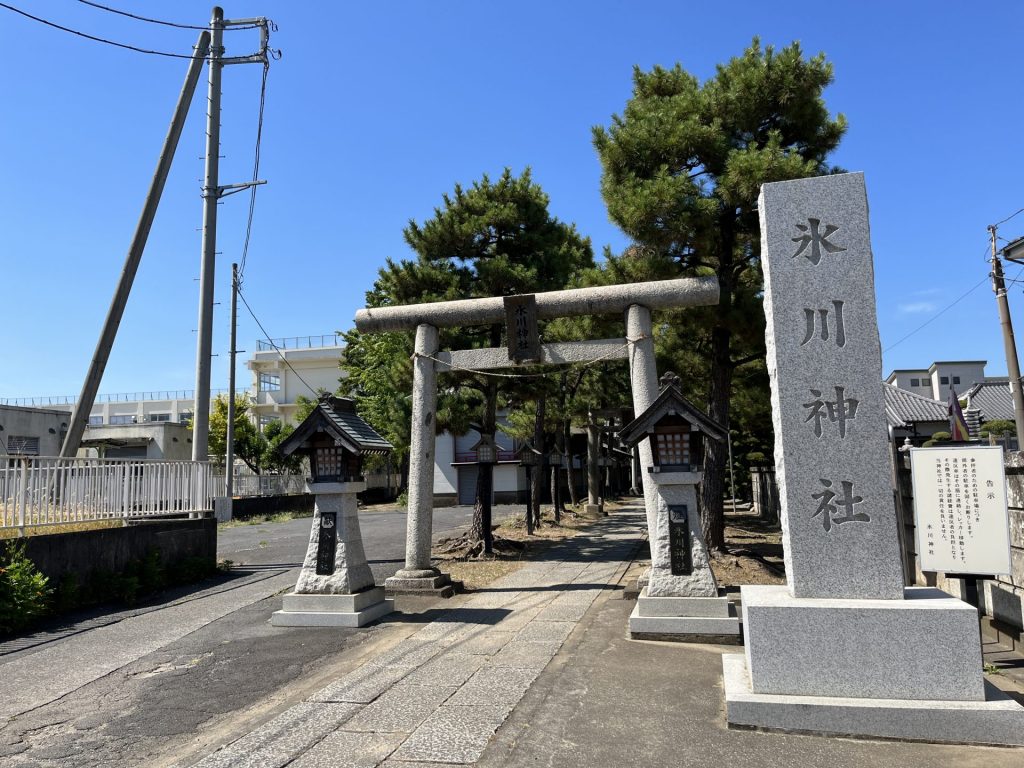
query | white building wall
[446, 478]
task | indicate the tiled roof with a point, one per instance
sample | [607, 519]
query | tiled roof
[358, 430]
[992, 398]
[337, 416]
[903, 408]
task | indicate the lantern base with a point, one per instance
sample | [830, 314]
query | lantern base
[422, 582]
[355, 610]
[684, 619]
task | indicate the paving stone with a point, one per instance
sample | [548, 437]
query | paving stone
[280, 740]
[584, 596]
[453, 735]
[401, 709]
[446, 670]
[545, 631]
[563, 612]
[408, 653]
[520, 619]
[486, 643]
[495, 686]
[363, 686]
[347, 749]
[492, 599]
[525, 655]
[441, 630]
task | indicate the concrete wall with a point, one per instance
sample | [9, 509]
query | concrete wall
[48, 426]
[904, 378]
[167, 440]
[968, 372]
[110, 549]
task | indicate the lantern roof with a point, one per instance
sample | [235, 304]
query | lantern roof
[670, 402]
[337, 417]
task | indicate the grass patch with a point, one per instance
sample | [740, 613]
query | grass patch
[42, 530]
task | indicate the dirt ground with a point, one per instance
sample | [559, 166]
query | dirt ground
[753, 553]
[512, 545]
[753, 550]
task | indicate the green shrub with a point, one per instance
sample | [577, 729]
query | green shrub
[24, 591]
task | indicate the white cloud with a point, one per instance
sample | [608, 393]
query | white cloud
[917, 307]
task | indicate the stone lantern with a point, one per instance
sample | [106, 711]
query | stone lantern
[681, 600]
[335, 587]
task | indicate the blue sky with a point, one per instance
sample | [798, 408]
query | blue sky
[376, 109]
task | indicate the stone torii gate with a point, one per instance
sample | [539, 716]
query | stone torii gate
[636, 300]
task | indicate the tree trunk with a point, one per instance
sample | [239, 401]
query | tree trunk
[481, 529]
[716, 454]
[570, 471]
[529, 501]
[538, 472]
[482, 508]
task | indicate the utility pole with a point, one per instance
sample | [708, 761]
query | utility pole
[211, 196]
[229, 460]
[90, 386]
[1012, 365]
[212, 192]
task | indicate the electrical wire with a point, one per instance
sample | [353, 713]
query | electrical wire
[271, 341]
[158, 21]
[941, 312]
[1012, 215]
[255, 175]
[95, 38]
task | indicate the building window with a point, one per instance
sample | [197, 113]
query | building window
[956, 380]
[159, 417]
[185, 417]
[944, 380]
[915, 382]
[122, 419]
[266, 421]
[269, 382]
[95, 421]
[23, 446]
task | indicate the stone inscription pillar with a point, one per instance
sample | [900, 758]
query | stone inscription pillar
[825, 365]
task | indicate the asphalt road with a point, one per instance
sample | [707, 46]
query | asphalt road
[284, 544]
[162, 682]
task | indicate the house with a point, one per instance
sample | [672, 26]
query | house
[913, 416]
[935, 380]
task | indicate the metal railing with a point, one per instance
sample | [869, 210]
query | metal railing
[246, 484]
[119, 397]
[42, 491]
[301, 342]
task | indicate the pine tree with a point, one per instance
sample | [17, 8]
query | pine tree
[492, 239]
[682, 168]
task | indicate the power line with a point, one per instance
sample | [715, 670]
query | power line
[271, 341]
[1012, 215]
[255, 174]
[94, 38]
[157, 21]
[944, 310]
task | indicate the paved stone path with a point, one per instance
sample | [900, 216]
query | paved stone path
[439, 695]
